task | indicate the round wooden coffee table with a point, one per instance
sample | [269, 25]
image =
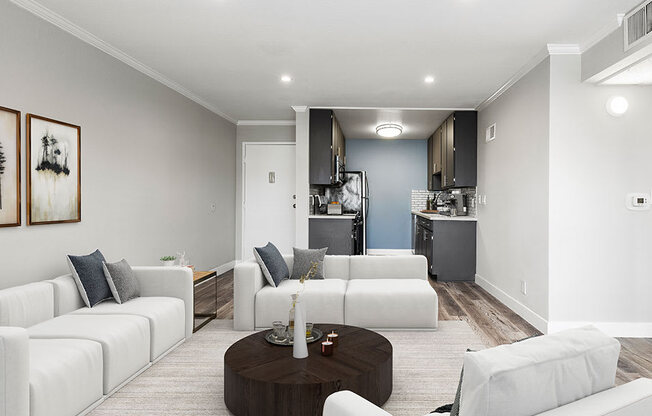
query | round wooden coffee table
[264, 379]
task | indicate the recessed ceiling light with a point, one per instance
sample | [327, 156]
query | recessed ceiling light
[389, 130]
[286, 78]
[617, 106]
[429, 79]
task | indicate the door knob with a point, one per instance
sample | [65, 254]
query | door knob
[294, 205]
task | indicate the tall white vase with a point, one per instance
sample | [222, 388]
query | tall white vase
[300, 347]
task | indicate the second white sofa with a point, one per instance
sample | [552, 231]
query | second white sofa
[379, 292]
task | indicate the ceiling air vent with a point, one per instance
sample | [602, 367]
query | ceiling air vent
[638, 24]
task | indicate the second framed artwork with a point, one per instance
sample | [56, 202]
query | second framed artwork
[53, 171]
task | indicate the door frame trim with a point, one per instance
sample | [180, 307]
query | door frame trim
[243, 175]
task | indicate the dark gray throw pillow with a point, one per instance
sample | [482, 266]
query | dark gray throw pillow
[303, 259]
[121, 280]
[89, 277]
[272, 264]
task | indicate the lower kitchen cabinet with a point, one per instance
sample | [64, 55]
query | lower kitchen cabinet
[336, 234]
[449, 246]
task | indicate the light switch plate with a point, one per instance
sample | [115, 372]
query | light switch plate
[272, 177]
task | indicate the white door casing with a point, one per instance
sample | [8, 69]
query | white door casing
[268, 196]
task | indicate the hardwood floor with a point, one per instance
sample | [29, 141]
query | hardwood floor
[494, 322]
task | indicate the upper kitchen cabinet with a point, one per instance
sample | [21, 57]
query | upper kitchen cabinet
[458, 151]
[327, 148]
[434, 160]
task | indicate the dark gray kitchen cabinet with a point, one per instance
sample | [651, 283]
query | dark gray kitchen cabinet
[449, 246]
[336, 234]
[458, 152]
[327, 148]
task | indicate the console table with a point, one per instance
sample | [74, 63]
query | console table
[205, 295]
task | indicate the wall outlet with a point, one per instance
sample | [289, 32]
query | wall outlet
[213, 207]
[524, 287]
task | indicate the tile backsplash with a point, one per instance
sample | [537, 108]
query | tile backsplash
[420, 199]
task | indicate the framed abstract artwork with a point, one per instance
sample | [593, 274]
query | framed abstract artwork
[53, 171]
[9, 167]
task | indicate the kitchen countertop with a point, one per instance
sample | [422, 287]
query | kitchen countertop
[333, 217]
[437, 217]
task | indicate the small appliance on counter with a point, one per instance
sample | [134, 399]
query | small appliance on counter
[334, 208]
[318, 203]
[457, 205]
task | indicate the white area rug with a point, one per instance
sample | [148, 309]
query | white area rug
[189, 381]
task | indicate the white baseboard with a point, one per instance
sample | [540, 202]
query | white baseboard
[389, 252]
[613, 329]
[224, 267]
[523, 311]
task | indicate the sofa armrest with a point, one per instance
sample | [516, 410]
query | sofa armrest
[248, 279]
[631, 399]
[14, 372]
[174, 282]
[347, 403]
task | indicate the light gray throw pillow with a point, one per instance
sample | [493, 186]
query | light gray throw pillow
[303, 259]
[121, 280]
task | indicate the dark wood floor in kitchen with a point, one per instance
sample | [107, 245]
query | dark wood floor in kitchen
[494, 322]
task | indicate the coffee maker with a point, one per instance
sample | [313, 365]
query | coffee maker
[457, 203]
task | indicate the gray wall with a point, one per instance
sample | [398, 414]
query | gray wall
[152, 160]
[394, 168]
[513, 174]
[253, 134]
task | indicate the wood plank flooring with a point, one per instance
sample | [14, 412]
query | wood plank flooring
[494, 322]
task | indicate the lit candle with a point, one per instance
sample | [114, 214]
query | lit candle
[332, 337]
[326, 348]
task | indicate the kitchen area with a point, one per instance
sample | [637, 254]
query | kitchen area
[435, 179]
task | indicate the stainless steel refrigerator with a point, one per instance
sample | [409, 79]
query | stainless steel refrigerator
[354, 197]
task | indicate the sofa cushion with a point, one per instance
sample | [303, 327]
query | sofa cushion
[89, 276]
[66, 295]
[303, 262]
[390, 303]
[26, 305]
[389, 267]
[124, 339]
[336, 267]
[121, 280]
[323, 300]
[272, 264]
[538, 374]
[166, 319]
[65, 376]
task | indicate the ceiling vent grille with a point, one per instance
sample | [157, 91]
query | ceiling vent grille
[638, 25]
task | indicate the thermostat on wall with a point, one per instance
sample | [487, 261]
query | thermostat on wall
[638, 202]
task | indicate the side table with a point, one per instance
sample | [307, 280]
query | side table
[205, 295]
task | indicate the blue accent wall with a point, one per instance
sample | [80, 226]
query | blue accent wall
[394, 168]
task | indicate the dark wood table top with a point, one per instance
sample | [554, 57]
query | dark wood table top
[358, 352]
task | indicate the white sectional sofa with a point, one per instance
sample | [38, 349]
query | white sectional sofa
[60, 358]
[368, 291]
[570, 373]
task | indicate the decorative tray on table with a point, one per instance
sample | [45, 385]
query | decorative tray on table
[314, 336]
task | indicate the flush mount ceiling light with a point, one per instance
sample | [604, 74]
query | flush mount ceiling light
[617, 106]
[429, 79]
[286, 79]
[389, 130]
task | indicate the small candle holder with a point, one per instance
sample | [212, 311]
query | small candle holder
[333, 337]
[327, 348]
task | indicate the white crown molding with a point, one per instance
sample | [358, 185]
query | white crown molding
[564, 49]
[603, 33]
[529, 66]
[550, 49]
[300, 108]
[330, 107]
[66, 25]
[267, 122]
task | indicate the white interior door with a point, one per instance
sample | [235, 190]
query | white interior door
[269, 189]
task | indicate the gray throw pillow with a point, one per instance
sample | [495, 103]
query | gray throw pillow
[303, 259]
[121, 280]
[88, 274]
[272, 264]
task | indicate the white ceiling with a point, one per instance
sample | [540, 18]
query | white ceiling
[230, 54]
[417, 124]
